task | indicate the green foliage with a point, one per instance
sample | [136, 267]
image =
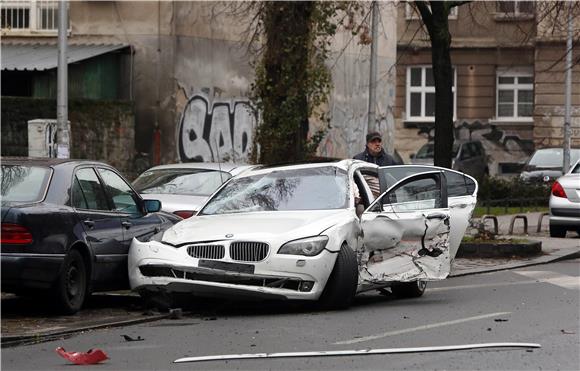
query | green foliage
[512, 192]
[292, 79]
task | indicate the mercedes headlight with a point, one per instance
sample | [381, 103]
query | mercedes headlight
[310, 246]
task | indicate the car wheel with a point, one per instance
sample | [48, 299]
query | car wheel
[71, 288]
[409, 289]
[341, 286]
[557, 231]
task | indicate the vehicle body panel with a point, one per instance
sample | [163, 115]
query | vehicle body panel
[171, 263]
[565, 211]
[57, 227]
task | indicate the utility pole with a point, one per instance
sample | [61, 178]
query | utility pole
[567, 134]
[63, 127]
[373, 73]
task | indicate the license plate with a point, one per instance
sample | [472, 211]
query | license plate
[225, 266]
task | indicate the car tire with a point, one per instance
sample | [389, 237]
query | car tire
[557, 231]
[409, 289]
[341, 286]
[71, 287]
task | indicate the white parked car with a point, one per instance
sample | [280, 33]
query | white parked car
[312, 232]
[565, 203]
[183, 188]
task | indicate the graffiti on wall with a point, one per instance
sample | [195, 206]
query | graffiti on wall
[216, 131]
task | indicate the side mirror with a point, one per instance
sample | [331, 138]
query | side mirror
[412, 156]
[152, 205]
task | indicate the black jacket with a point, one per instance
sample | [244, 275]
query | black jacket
[383, 159]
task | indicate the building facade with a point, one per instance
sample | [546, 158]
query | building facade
[508, 62]
[187, 70]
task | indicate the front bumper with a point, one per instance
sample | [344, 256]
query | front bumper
[155, 267]
[29, 271]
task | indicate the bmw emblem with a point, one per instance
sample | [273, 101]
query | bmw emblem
[229, 235]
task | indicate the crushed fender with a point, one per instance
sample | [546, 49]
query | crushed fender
[93, 356]
[334, 353]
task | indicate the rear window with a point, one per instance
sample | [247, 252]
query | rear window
[24, 183]
[553, 157]
[193, 182]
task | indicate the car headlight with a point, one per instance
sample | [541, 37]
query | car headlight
[310, 246]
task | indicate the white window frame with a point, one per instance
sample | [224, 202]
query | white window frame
[35, 8]
[515, 87]
[423, 89]
[516, 13]
[411, 13]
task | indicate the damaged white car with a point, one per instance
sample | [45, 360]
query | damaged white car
[313, 232]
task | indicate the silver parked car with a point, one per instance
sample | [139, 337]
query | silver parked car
[565, 203]
[545, 165]
[183, 188]
[467, 156]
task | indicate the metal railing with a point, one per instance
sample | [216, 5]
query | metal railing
[29, 16]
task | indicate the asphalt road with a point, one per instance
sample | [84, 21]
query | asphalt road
[533, 305]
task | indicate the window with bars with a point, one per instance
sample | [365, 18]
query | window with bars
[515, 95]
[29, 15]
[420, 102]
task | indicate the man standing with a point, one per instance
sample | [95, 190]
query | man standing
[374, 152]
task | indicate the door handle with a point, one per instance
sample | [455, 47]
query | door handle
[126, 224]
[89, 223]
[436, 216]
[460, 206]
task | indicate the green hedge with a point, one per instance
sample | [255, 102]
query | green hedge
[512, 192]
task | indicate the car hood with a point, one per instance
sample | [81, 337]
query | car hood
[172, 203]
[262, 226]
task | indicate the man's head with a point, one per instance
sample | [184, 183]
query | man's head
[374, 143]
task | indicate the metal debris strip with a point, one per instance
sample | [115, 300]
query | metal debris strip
[334, 353]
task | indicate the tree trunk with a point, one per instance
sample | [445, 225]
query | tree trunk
[283, 133]
[443, 76]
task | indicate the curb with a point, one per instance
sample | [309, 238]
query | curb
[539, 261]
[15, 340]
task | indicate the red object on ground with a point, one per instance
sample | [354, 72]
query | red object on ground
[93, 356]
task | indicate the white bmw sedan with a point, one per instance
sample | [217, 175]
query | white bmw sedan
[323, 231]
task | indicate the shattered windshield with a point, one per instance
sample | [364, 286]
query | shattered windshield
[320, 188]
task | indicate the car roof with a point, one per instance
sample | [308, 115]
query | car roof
[225, 166]
[342, 164]
[45, 161]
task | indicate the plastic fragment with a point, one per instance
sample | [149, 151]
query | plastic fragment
[129, 338]
[93, 356]
[500, 320]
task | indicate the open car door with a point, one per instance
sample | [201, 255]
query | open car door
[406, 232]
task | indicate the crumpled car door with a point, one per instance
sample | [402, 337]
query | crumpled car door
[406, 232]
[461, 194]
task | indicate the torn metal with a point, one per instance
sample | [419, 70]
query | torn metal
[335, 353]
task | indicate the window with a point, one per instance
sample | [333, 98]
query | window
[87, 192]
[412, 13]
[515, 8]
[515, 95]
[122, 195]
[29, 15]
[421, 93]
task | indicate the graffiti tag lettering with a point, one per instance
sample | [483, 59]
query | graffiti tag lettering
[222, 132]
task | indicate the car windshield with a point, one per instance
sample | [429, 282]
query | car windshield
[24, 183]
[552, 157]
[319, 188]
[193, 182]
[428, 151]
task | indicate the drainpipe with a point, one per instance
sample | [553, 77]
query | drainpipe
[63, 126]
[373, 72]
